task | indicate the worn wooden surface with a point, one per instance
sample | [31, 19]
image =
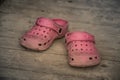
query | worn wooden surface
[99, 17]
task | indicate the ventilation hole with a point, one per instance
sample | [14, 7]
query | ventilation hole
[75, 45]
[24, 39]
[60, 30]
[86, 45]
[43, 31]
[39, 44]
[81, 49]
[45, 36]
[44, 43]
[72, 50]
[37, 33]
[67, 34]
[72, 59]
[48, 40]
[90, 58]
[96, 57]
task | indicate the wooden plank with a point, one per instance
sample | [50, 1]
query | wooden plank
[86, 16]
[52, 63]
[98, 17]
[16, 74]
[99, 4]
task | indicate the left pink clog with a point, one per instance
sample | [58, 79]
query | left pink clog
[43, 33]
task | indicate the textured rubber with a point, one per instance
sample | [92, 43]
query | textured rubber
[81, 49]
[43, 33]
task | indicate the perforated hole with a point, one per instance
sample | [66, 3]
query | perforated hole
[37, 33]
[72, 59]
[48, 40]
[81, 49]
[45, 36]
[39, 44]
[68, 34]
[75, 45]
[86, 45]
[60, 30]
[90, 58]
[96, 57]
[44, 31]
[72, 50]
[24, 39]
[44, 43]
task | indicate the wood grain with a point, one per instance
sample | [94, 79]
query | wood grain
[99, 17]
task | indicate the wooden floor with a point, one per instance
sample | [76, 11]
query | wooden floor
[99, 17]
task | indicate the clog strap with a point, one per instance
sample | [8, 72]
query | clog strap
[46, 22]
[78, 36]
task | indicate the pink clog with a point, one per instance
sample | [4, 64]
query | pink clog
[81, 49]
[43, 33]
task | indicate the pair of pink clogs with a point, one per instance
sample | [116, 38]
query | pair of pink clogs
[80, 45]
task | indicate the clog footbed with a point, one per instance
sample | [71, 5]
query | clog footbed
[81, 49]
[43, 33]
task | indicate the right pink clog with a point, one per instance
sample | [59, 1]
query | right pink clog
[81, 49]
